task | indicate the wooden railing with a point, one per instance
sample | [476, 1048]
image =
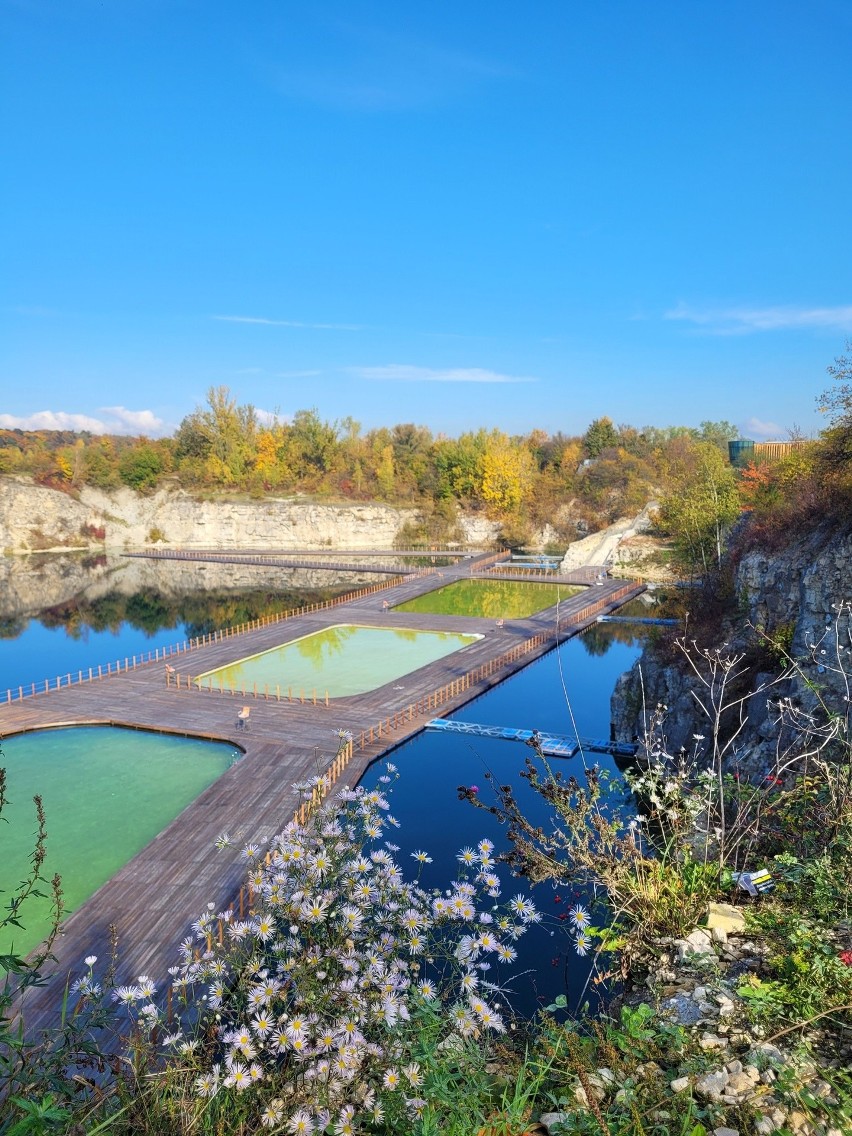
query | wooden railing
[244, 901]
[167, 654]
[188, 682]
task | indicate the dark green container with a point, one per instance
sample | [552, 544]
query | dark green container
[741, 452]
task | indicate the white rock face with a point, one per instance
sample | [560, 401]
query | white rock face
[602, 547]
[34, 519]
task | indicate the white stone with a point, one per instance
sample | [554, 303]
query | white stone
[550, 1120]
[712, 1085]
[679, 1084]
[697, 942]
[726, 917]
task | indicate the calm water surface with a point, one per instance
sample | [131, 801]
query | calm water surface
[568, 687]
[83, 633]
[341, 660]
[107, 792]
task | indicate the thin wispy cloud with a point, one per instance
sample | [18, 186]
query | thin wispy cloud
[290, 323]
[404, 373]
[33, 310]
[757, 428]
[743, 320]
[117, 420]
[371, 69]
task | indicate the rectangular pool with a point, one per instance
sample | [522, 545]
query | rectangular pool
[341, 660]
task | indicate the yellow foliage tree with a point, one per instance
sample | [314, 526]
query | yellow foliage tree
[508, 469]
[267, 462]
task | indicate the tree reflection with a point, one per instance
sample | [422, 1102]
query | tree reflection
[490, 599]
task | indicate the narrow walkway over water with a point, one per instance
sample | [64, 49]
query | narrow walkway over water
[551, 745]
[154, 899]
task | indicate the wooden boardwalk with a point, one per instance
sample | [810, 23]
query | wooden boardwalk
[155, 898]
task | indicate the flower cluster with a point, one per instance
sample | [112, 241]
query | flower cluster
[312, 1000]
[581, 921]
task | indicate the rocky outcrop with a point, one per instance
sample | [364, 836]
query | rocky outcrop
[798, 598]
[602, 547]
[36, 519]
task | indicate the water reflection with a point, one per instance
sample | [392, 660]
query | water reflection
[62, 614]
[490, 599]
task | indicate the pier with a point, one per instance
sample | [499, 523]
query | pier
[157, 895]
[551, 745]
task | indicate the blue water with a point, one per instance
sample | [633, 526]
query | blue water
[565, 688]
[41, 653]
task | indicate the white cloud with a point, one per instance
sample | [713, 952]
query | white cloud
[121, 421]
[741, 321]
[405, 373]
[135, 421]
[756, 428]
[270, 417]
[290, 323]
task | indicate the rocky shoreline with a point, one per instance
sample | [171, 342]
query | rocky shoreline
[729, 1066]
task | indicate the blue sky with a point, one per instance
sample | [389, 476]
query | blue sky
[459, 214]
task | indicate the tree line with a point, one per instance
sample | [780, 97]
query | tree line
[520, 480]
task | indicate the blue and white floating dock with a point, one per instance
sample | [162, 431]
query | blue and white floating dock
[551, 745]
[646, 619]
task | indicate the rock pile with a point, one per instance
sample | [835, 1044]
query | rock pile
[692, 983]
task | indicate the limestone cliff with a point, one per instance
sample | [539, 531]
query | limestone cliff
[36, 519]
[795, 596]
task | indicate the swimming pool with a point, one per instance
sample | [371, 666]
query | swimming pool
[341, 660]
[490, 599]
[107, 792]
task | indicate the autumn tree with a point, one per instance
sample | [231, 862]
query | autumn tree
[218, 442]
[702, 503]
[507, 469]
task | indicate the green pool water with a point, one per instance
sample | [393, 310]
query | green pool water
[107, 792]
[341, 660]
[490, 599]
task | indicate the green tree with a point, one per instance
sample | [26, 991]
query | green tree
[702, 504]
[459, 466]
[141, 466]
[600, 436]
[719, 433]
[836, 442]
[312, 444]
[219, 442]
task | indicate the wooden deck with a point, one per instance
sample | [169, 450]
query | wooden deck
[155, 898]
